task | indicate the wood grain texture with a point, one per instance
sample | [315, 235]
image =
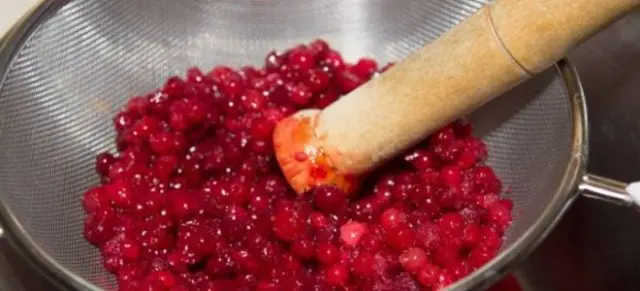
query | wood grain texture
[457, 73]
[540, 32]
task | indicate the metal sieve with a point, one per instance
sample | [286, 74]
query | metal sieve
[69, 66]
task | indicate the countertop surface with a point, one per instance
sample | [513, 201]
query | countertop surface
[596, 246]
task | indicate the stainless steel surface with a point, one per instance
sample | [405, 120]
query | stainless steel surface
[607, 190]
[573, 259]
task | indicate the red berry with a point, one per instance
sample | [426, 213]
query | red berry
[103, 163]
[490, 238]
[351, 232]
[261, 128]
[451, 223]
[447, 255]
[365, 68]
[130, 250]
[164, 167]
[303, 249]
[499, 215]
[329, 198]
[422, 159]
[392, 218]
[451, 175]
[319, 47]
[174, 87]
[253, 101]
[300, 95]
[318, 220]
[94, 200]
[327, 253]
[165, 278]
[364, 264]
[333, 60]
[138, 105]
[429, 275]
[467, 159]
[471, 235]
[120, 194]
[145, 127]
[182, 204]
[348, 81]
[324, 99]
[123, 121]
[413, 259]
[274, 60]
[288, 224]
[401, 238]
[337, 275]
[195, 75]
[317, 80]
[163, 143]
[480, 256]
[301, 59]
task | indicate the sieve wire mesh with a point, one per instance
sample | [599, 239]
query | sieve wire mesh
[84, 60]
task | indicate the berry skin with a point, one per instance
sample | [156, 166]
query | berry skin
[193, 198]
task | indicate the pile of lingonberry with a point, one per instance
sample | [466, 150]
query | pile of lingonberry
[194, 199]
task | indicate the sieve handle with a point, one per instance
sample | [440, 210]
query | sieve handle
[612, 191]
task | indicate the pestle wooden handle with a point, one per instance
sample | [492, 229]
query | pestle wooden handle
[503, 44]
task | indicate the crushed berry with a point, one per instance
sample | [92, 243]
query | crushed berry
[194, 198]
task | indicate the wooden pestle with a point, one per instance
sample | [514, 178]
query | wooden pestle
[500, 46]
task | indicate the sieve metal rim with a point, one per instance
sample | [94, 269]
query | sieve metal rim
[480, 279]
[566, 193]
